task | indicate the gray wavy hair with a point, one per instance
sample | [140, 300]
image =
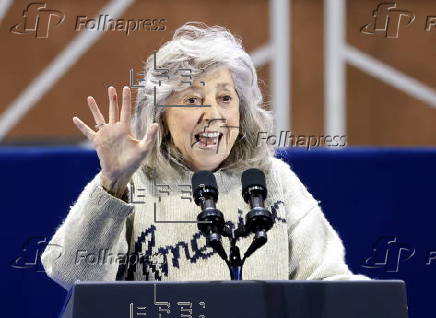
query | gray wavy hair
[197, 47]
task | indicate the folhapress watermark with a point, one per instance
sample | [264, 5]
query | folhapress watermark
[286, 139]
[31, 251]
[106, 23]
[388, 255]
[387, 19]
[105, 257]
[38, 20]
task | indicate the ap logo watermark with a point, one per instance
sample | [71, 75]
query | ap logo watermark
[38, 20]
[388, 19]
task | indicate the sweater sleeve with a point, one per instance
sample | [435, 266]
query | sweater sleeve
[86, 245]
[316, 250]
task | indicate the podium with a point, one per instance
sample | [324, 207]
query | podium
[231, 299]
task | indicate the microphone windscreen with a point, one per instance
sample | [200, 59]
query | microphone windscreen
[252, 177]
[203, 179]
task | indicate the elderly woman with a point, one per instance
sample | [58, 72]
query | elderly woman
[200, 108]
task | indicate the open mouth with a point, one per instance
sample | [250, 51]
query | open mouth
[208, 139]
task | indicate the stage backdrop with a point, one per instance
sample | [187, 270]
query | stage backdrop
[48, 68]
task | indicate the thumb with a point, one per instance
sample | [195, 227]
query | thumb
[149, 136]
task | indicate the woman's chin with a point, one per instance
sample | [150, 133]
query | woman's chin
[207, 160]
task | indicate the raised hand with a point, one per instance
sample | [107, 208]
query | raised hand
[119, 152]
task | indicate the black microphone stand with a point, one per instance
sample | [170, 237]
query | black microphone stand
[235, 262]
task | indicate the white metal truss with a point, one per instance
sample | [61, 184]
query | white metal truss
[338, 53]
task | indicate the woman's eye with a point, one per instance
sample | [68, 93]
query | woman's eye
[192, 100]
[226, 98]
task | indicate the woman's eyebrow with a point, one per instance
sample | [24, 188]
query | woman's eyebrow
[227, 87]
[190, 90]
[224, 85]
[219, 86]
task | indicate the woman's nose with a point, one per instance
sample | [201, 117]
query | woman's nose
[212, 111]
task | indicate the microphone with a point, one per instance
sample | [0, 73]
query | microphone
[210, 220]
[204, 189]
[254, 187]
[259, 220]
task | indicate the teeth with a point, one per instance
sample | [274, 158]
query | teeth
[210, 134]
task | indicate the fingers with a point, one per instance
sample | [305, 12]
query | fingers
[126, 107]
[149, 136]
[88, 132]
[113, 105]
[98, 117]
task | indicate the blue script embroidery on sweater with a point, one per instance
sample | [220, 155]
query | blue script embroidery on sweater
[159, 269]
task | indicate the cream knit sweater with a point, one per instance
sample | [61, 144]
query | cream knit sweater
[104, 238]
